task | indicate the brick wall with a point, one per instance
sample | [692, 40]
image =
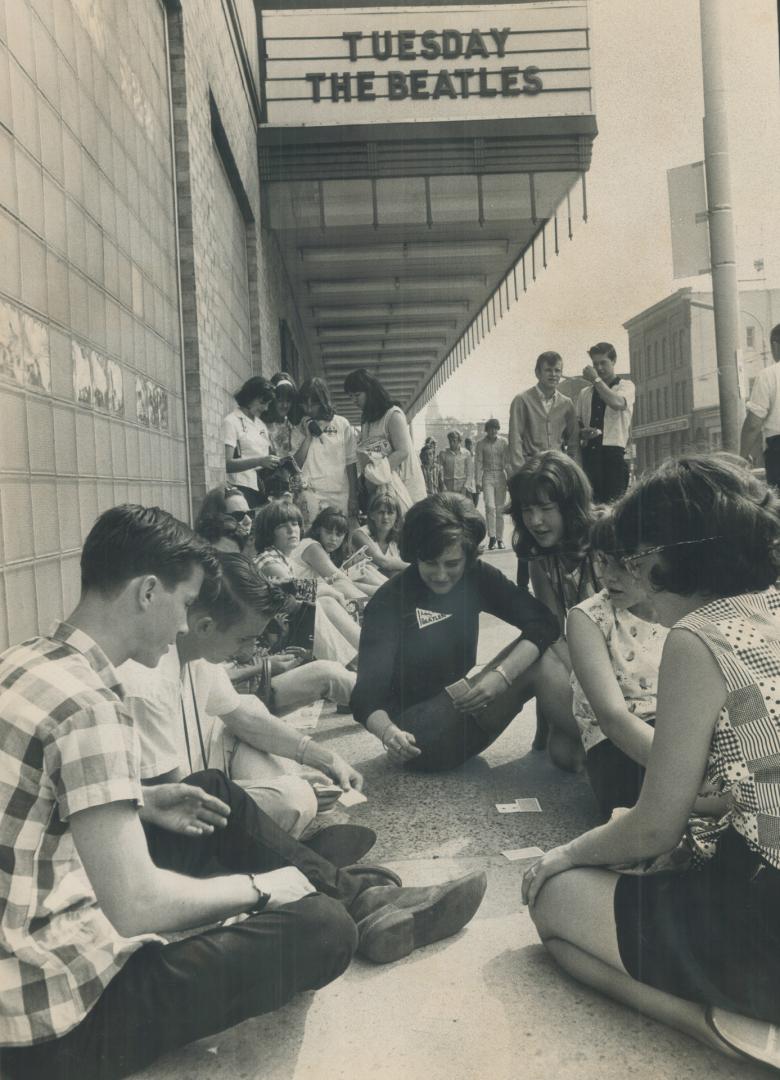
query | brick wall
[207, 83]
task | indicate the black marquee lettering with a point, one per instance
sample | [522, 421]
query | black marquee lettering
[365, 86]
[397, 89]
[444, 87]
[451, 44]
[500, 36]
[386, 50]
[509, 77]
[316, 79]
[417, 83]
[406, 49]
[533, 84]
[340, 85]
[476, 46]
[464, 74]
[484, 89]
[352, 37]
[431, 49]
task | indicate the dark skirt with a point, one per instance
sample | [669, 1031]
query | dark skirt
[615, 779]
[710, 935]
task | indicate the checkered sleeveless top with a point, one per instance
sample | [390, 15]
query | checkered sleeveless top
[743, 635]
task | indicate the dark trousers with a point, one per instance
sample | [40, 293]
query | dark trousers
[605, 467]
[772, 460]
[448, 738]
[168, 995]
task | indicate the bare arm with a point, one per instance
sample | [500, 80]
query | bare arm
[315, 557]
[137, 896]
[750, 439]
[253, 724]
[302, 452]
[243, 464]
[362, 538]
[691, 694]
[400, 440]
[593, 667]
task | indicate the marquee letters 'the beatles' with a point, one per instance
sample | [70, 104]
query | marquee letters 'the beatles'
[420, 84]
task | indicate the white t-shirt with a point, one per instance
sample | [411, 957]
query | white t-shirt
[155, 698]
[765, 400]
[251, 437]
[325, 467]
[617, 422]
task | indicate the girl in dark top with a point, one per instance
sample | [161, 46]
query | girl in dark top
[420, 634]
[551, 507]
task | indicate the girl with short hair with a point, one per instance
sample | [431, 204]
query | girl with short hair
[419, 637]
[697, 949]
[246, 439]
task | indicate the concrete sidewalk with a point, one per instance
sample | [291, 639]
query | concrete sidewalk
[486, 1005]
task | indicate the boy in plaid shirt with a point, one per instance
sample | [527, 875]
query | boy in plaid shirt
[94, 869]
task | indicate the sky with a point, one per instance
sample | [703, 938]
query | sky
[646, 60]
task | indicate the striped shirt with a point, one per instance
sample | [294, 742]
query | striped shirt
[743, 635]
[66, 744]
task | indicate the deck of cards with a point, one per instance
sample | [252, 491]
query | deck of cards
[519, 806]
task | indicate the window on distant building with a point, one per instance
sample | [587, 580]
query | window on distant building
[663, 354]
[666, 403]
[750, 337]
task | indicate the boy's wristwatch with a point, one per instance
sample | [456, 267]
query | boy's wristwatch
[262, 896]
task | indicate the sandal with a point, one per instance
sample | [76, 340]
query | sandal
[726, 1025]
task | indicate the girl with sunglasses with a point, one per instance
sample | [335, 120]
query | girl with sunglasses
[698, 949]
[225, 519]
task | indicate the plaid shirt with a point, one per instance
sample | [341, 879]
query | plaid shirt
[66, 744]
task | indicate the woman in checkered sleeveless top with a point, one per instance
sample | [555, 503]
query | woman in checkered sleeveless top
[698, 948]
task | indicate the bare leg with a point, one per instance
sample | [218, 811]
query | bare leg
[575, 920]
[336, 635]
[554, 699]
[310, 682]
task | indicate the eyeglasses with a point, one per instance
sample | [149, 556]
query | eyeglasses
[239, 515]
[629, 561]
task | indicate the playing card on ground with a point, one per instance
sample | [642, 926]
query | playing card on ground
[352, 797]
[528, 806]
[516, 854]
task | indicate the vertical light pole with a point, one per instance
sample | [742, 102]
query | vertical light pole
[725, 291]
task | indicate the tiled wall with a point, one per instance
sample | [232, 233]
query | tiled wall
[91, 409]
[94, 375]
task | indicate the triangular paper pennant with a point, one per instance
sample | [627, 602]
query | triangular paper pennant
[429, 618]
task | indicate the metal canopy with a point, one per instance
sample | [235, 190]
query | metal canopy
[395, 247]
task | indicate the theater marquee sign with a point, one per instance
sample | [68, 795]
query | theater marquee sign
[385, 66]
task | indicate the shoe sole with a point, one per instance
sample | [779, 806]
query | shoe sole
[345, 846]
[393, 934]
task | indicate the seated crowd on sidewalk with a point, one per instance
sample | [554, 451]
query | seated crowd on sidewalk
[164, 827]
